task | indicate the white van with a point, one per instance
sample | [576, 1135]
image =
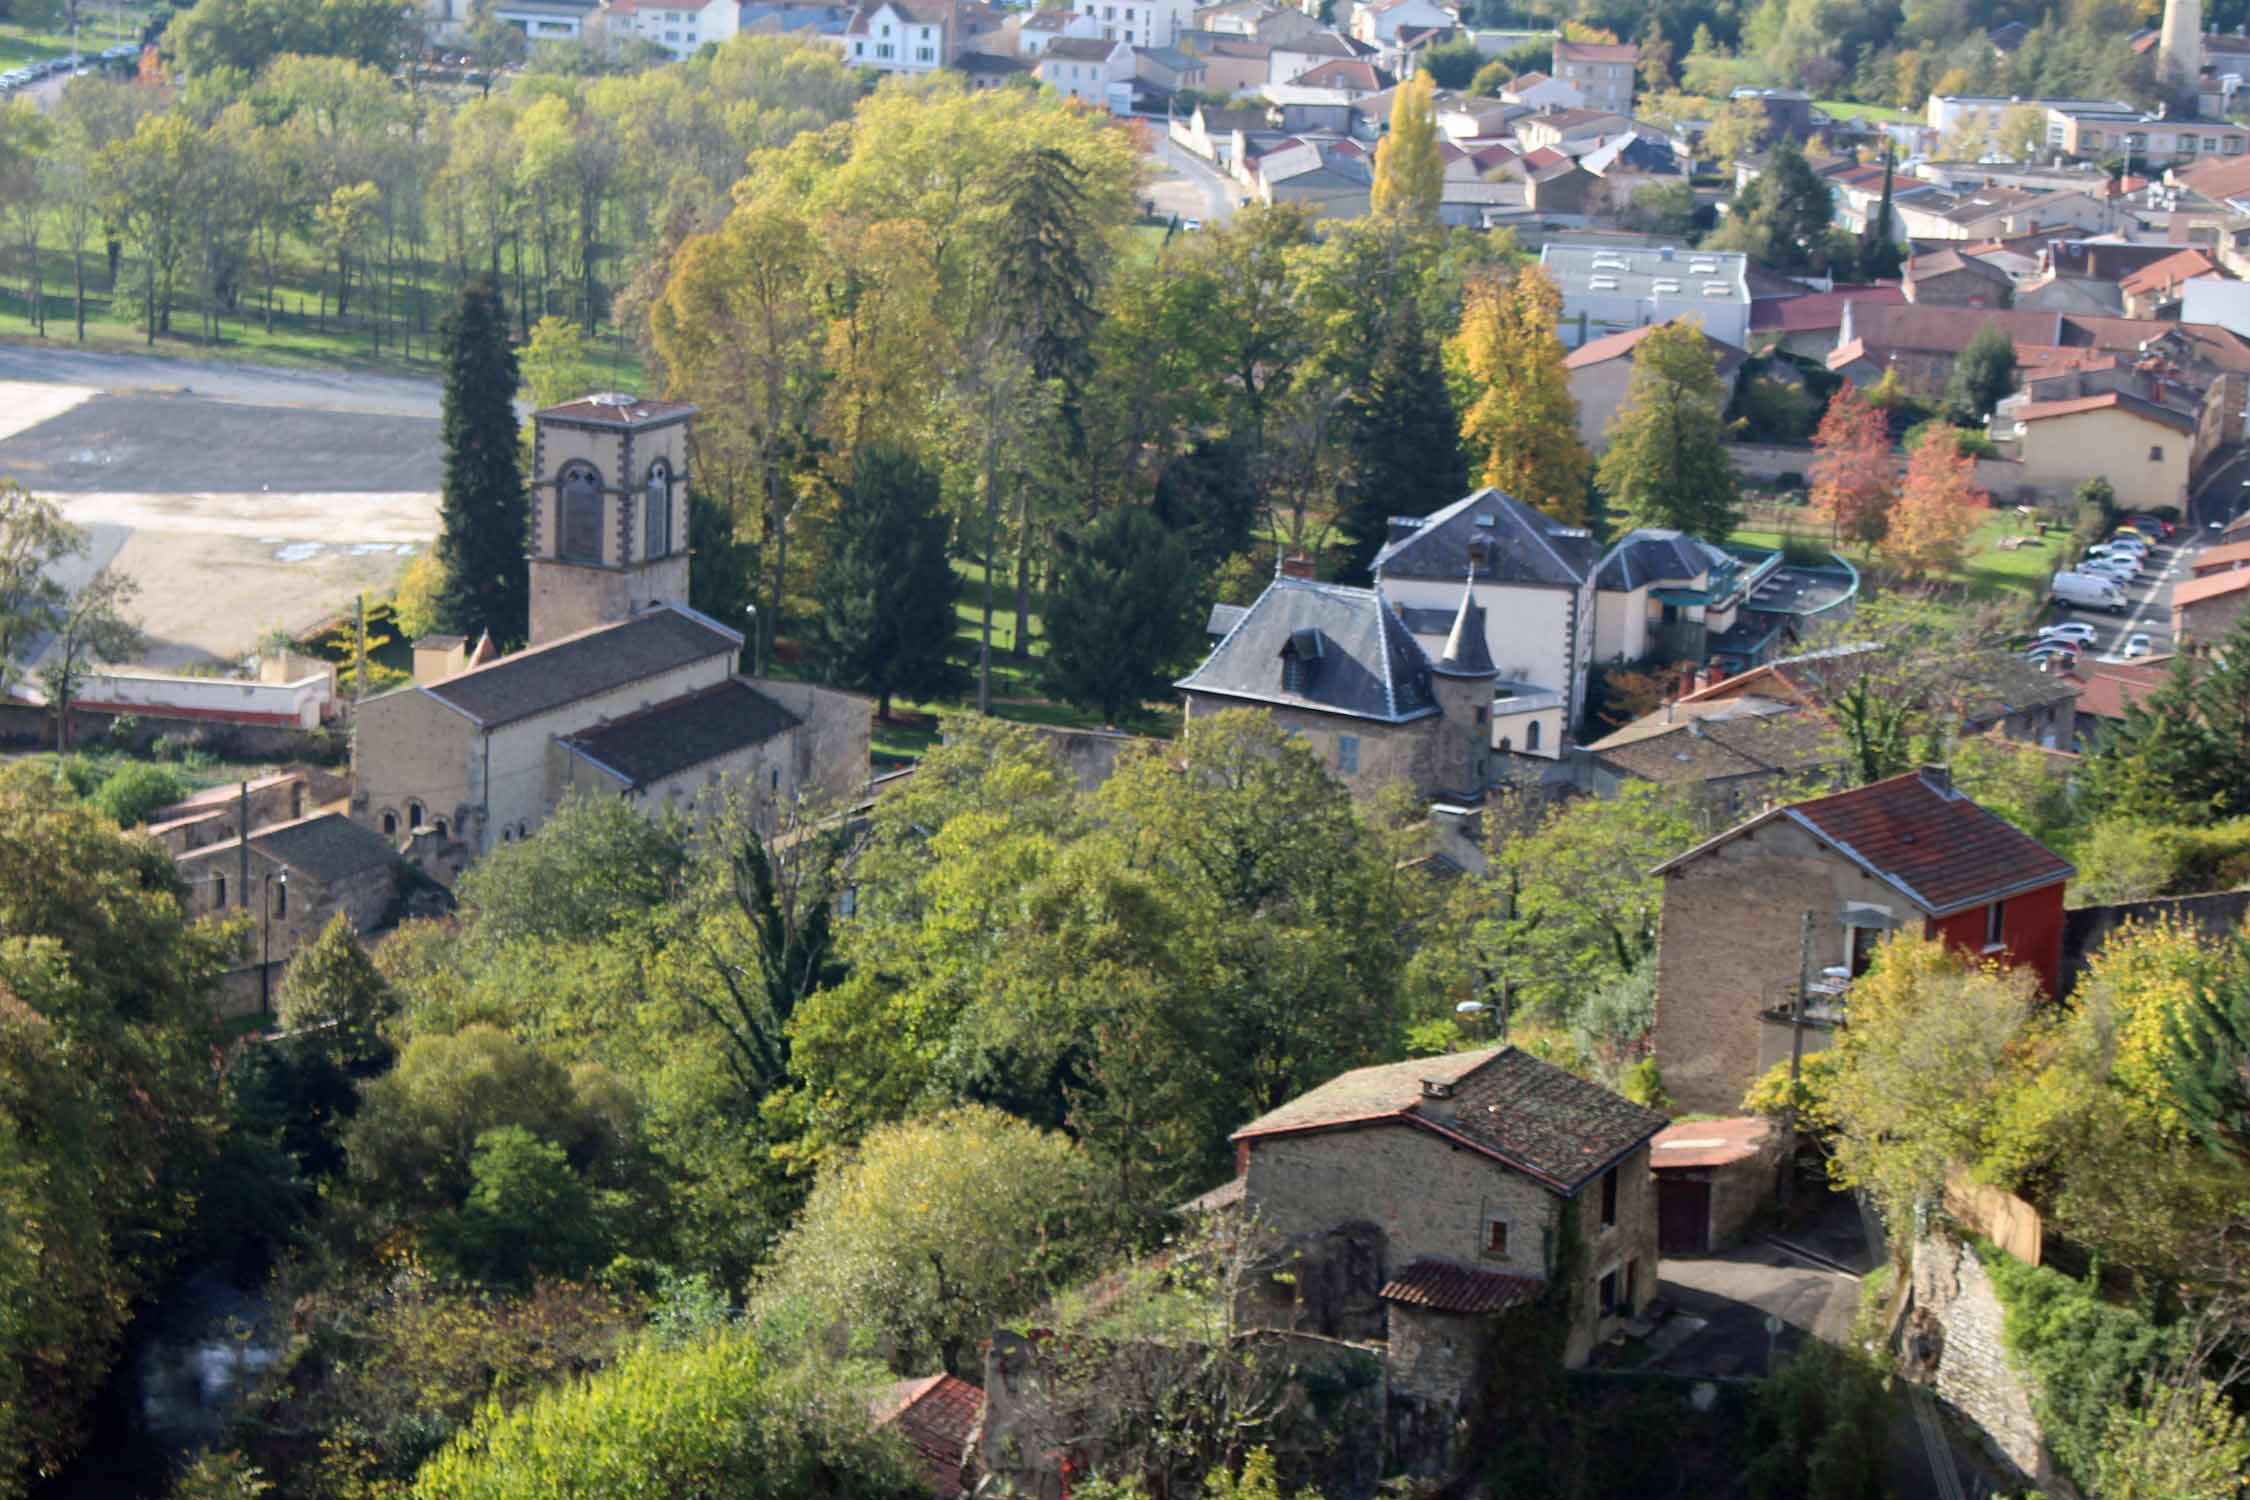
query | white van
[2088, 591]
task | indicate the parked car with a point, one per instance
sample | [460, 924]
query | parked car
[2145, 523]
[1191, 225]
[2070, 630]
[2088, 591]
[2137, 644]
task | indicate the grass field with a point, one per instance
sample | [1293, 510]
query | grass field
[1881, 113]
[1988, 572]
[1016, 692]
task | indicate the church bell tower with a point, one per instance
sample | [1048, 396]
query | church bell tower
[2179, 50]
[609, 511]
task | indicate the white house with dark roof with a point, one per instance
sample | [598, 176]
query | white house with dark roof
[1533, 578]
[1084, 69]
[901, 36]
[624, 690]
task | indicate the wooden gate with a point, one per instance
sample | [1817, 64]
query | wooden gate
[1683, 1214]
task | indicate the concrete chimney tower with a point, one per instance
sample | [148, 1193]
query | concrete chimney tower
[2179, 48]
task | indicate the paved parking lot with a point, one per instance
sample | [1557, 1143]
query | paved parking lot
[2149, 600]
[151, 444]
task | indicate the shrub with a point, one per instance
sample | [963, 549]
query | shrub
[1643, 1083]
[2082, 1357]
[137, 789]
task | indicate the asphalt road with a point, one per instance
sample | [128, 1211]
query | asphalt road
[244, 385]
[1220, 196]
[165, 444]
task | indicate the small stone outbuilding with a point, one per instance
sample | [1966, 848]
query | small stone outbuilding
[1713, 1179]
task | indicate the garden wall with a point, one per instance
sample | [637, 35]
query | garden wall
[1953, 1345]
[1764, 463]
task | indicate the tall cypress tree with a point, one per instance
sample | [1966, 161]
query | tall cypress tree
[484, 514]
[1402, 451]
[1878, 252]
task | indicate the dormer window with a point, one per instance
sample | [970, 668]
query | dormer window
[1480, 555]
[1300, 657]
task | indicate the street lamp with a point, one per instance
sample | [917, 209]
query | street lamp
[265, 941]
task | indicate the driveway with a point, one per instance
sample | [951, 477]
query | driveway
[1734, 1292]
[1189, 186]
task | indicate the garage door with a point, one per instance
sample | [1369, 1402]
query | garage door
[1683, 1215]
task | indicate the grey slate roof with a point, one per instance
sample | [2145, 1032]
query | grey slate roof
[579, 666]
[662, 741]
[1522, 545]
[1657, 554]
[1467, 653]
[327, 846]
[1362, 661]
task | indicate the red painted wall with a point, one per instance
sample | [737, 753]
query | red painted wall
[2031, 928]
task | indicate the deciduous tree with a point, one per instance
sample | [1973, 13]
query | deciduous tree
[1939, 508]
[1853, 480]
[1520, 423]
[1409, 177]
[33, 537]
[92, 629]
[1984, 372]
[1667, 462]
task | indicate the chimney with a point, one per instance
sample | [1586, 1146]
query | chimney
[1939, 779]
[437, 657]
[1297, 565]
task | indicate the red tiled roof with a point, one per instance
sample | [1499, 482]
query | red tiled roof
[2123, 401]
[2106, 689]
[936, 1415]
[1617, 345]
[2219, 559]
[2227, 178]
[1543, 158]
[1343, 73]
[2055, 359]
[2168, 272]
[1938, 848]
[1817, 311]
[1709, 1143]
[2209, 586]
[1444, 1287]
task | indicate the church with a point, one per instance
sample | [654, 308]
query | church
[624, 690]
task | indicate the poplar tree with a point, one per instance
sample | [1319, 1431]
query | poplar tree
[483, 514]
[1667, 464]
[1521, 425]
[1409, 177]
[1879, 258]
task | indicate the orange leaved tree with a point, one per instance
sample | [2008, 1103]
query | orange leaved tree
[1853, 482]
[1938, 508]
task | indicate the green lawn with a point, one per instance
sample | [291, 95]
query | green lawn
[1016, 690]
[1882, 113]
[98, 28]
[1987, 572]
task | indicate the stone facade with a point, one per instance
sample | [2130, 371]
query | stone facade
[1383, 754]
[635, 460]
[1953, 1344]
[281, 916]
[1728, 948]
[1435, 1200]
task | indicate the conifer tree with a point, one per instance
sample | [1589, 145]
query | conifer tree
[1879, 258]
[1409, 176]
[1984, 373]
[1401, 453]
[887, 589]
[483, 514]
[1521, 425]
[1120, 617]
[1667, 464]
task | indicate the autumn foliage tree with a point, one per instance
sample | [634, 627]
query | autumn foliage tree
[1938, 507]
[1853, 483]
[1409, 177]
[1520, 422]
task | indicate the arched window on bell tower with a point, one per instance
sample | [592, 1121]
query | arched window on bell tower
[578, 503]
[657, 537]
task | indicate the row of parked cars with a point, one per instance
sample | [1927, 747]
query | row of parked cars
[53, 67]
[2099, 580]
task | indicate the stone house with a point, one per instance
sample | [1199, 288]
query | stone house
[289, 879]
[1340, 667]
[1947, 278]
[1733, 754]
[1805, 892]
[1602, 72]
[1473, 1185]
[2204, 609]
[623, 690]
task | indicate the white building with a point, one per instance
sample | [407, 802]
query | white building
[1084, 68]
[1141, 23]
[1608, 289]
[547, 20]
[678, 26]
[1378, 21]
[2214, 299]
[900, 36]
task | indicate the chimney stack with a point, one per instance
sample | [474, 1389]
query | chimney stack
[1297, 565]
[1939, 779]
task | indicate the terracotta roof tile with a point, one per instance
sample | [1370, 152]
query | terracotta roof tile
[1817, 311]
[1709, 1143]
[1444, 1287]
[937, 1415]
[1940, 848]
[2210, 586]
[1597, 52]
[2037, 411]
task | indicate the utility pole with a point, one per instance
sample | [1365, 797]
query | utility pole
[1796, 1063]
